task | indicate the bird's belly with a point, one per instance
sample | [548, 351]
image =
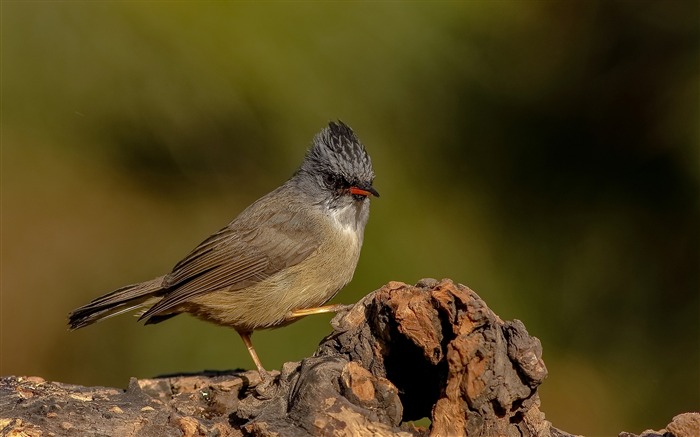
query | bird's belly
[267, 304]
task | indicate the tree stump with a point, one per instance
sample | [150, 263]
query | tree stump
[400, 354]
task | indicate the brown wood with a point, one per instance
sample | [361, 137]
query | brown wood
[402, 353]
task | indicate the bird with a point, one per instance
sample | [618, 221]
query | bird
[282, 258]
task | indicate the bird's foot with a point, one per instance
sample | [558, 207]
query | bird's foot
[318, 310]
[267, 387]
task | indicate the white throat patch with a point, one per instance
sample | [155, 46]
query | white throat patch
[345, 220]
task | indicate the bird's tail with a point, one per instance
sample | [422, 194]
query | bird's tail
[131, 297]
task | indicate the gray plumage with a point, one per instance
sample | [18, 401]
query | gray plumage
[291, 250]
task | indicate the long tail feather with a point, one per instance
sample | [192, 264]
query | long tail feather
[125, 299]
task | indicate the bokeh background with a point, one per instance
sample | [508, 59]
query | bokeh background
[543, 153]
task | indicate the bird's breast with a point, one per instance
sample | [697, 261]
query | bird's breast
[307, 284]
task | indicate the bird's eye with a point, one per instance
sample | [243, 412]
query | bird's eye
[334, 181]
[330, 180]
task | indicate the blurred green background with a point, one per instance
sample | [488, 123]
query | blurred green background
[543, 153]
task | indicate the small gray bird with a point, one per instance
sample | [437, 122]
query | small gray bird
[282, 258]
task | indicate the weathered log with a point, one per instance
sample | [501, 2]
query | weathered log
[683, 425]
[402, 353]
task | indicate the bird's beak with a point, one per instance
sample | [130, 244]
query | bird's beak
[364, 191]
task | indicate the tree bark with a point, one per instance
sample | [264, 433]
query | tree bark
[400, 354]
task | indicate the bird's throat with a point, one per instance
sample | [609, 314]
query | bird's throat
[350, 218]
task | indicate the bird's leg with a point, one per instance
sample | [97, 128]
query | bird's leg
[245, 336]
[318, 310]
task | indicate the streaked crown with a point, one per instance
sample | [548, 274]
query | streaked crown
[336, 151]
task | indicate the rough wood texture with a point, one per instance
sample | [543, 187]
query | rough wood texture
[683, 425]
[400, 354]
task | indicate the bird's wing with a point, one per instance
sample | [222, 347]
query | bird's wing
[250, 249]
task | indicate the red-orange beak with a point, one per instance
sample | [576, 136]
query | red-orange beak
[364, 192]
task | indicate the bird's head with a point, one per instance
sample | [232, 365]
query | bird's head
[339, 166]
